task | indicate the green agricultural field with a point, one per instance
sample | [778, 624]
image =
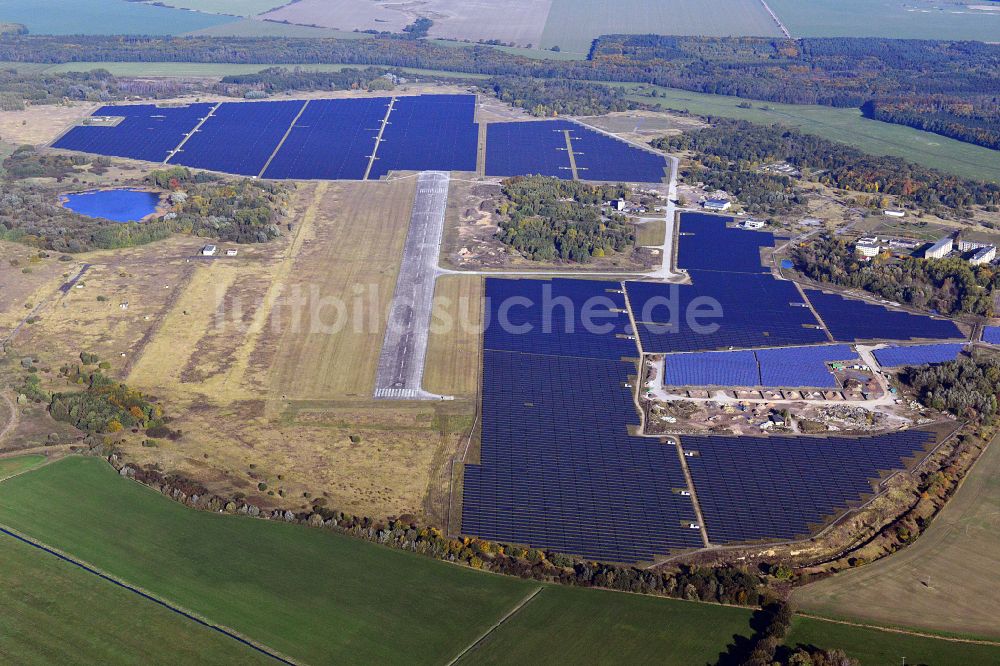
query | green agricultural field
[534, 54]
[574, 24]
[324, 598]
[11, 466]
[875, 647]
[843, 125]
[900, 19]
[945, 582]
[314, 595]
[103, 17]
[52, 612]
[573, 626]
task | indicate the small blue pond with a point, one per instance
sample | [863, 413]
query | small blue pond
[787, 263]
[114, 205]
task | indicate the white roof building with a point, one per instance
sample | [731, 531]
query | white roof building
[717, 204]
[940, 249]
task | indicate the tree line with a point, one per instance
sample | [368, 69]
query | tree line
[966, 387]
[843, 72]
[740, 146]
[950, 286]
[547, 218]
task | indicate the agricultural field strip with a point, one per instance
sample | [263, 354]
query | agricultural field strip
[496, 625]
[899, 630]
[149, 596]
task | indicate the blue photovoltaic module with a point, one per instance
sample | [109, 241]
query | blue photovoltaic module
[146, 132]
[753, 488]
[850, 320]
[332, 139]
[900, 355]
[239, 137]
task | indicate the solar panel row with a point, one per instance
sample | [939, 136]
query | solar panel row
[752, 488]
[851, 320]
[899, 355]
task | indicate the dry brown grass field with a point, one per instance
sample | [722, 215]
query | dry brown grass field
[454, 346]
[946, 581]
[651, 232]
[265, 394]
[41, 124]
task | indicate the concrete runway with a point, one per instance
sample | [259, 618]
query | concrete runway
[401, 363]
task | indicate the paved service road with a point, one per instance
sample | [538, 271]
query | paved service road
[401, 363]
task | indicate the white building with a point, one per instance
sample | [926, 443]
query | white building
[231, 252]
[867, 250]
[619, 204]
[940, 249]
[983, 255]
[968, 245]
[753, 224]
[209, 250]
[718, 204]
[894, 213]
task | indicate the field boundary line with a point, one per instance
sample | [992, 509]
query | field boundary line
[283, 138]
[149, 596]
[496, 625]
[896, 630]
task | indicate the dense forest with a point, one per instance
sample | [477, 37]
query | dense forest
[547, 97]
[965, 387]
[977, 123]
[845, 72]
[239, 210]
[950, 286]
[729, 149]
[549, 218]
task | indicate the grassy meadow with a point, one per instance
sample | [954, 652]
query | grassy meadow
[842, 125]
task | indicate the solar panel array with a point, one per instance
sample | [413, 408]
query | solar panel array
[540, 147]
[314, 150]
[752, 488]
[239, 137]
[850, 320]
[784, 367]
[707, 244]
[736, 368]
[899, 355]
[802, 366]
[604, 158]
[146, 132]
[528, 148]
[558, 468]
[991, 335]
[750, 311]
[584, 318]
[429, 133]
